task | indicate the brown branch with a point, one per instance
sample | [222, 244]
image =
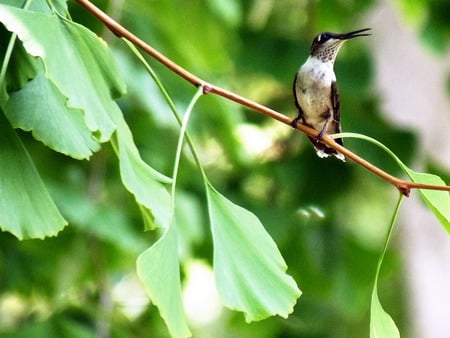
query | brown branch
[402, 185]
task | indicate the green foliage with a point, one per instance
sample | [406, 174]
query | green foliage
[381, 324]
[437, 201]
[159, 269]
[249, 268]
[67, 132]
[26, 208]
[92, 81]
[140, 179]
[60, 84]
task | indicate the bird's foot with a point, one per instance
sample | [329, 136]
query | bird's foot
[319, 136]
[294, 122]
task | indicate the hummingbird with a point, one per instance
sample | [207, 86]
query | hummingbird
[315, 90]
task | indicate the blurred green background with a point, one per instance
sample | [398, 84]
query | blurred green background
[328, 218]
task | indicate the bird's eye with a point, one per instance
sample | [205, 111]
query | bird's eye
[323, 37]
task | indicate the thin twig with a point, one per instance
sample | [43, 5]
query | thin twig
[402, 185]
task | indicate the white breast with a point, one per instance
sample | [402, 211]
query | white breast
[313, 89]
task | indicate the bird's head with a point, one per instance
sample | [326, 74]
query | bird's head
[326, 45]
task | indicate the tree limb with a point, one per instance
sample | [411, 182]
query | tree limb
[402, 185]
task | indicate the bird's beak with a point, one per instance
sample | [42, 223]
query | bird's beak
[353, 34]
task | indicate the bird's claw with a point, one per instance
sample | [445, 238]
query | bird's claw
[319, 136]
[294, 122]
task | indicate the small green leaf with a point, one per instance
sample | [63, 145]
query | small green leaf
[158, 268]
[250, 271]
[26, 208]
[144, 182]
[438, 201]
[41, 108]
[381, 324]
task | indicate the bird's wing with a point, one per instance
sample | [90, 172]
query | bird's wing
[294, 87]
[336, 103]
[337, 110]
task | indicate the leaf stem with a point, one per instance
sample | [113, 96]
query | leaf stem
[184, 124]
[388, 237]
[381, 323]
[166, 97]
[402, 185]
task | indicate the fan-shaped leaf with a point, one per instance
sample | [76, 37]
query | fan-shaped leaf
[26, 208]
[75, 60]
[158, 268]
[250, 271]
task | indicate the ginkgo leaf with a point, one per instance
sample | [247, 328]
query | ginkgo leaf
[77, 62]
[437, 201]
[381, 324]
[39, 107]
[26, 207]
[158, 267]
[250, 271]
[144, 182]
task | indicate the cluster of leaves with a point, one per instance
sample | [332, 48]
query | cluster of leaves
[72, 111]
[59, 81]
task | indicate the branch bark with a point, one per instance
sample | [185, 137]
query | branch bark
[402, 185]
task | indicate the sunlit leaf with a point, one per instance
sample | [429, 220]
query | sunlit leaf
[41, 108]
[26, 208]
[437, 201]
[381, 324]
[250, 271]
[158, 268]
[76, 61]
[140, 179]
